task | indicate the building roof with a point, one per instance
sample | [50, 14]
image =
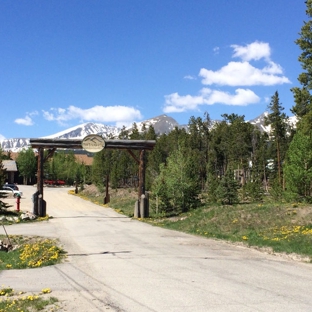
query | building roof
[9, 165]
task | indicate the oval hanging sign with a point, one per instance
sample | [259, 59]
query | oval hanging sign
[93, 143]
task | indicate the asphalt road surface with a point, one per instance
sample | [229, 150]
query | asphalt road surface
[119, 264]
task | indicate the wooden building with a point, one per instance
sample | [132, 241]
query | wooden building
[10, 171]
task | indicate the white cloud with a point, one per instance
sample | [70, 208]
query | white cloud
[176, 103]
[243, 74]
[116, 114]
[216, 50]
[242, 97]
[48, 116]
[2, 137]
[27, 121]
[253, 51]
[34, 113]
[190, 77]
[182, 103]
[273, 68]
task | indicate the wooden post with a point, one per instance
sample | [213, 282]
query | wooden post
[107, 196]
[40, 183]
[40, 171]
[136, 213]
[141, 174]
[142, 200]
[142, 206]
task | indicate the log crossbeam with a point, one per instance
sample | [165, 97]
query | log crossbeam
[76, 144]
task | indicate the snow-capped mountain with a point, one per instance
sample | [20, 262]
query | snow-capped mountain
[14, 145]
[162, 124]
[80, 131]
[260, 122]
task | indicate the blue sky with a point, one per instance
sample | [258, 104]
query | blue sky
[63, 63]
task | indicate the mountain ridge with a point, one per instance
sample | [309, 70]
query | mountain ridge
[162, 124]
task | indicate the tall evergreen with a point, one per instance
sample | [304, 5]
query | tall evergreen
[198, 141]
[303, 97]
[177, 186]
[231, 146]
[241, 133]
[298, 168]
[259, 160]
[227, 191]
[101, 166]
[278, 135]
[218, 152]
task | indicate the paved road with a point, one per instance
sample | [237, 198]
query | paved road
[119, 264]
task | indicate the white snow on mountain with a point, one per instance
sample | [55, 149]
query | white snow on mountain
[81, 131]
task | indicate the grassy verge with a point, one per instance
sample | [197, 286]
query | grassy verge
[122, 200]
[11, 301]
[29, 252]
[280, 227]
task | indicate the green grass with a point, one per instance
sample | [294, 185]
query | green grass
[123, 204]
[122, 200]
[30, 252]
[279, 226]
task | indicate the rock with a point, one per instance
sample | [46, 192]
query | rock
[5, 246]
[28, 216]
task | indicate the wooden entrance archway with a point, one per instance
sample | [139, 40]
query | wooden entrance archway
[52, 144]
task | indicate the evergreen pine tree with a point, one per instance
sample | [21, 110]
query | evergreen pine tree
[177, 184]
[298, 168]
[303, 98]
[227, 191]
[278, 122]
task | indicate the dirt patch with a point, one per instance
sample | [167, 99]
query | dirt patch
[92, 190]
[304, 212]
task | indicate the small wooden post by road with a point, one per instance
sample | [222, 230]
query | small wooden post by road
[143, 200]
[107, 197]
[141, 174]
[41, 201]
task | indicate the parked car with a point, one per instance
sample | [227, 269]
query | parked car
[11, 185]
[54, 182]
[10, 191]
